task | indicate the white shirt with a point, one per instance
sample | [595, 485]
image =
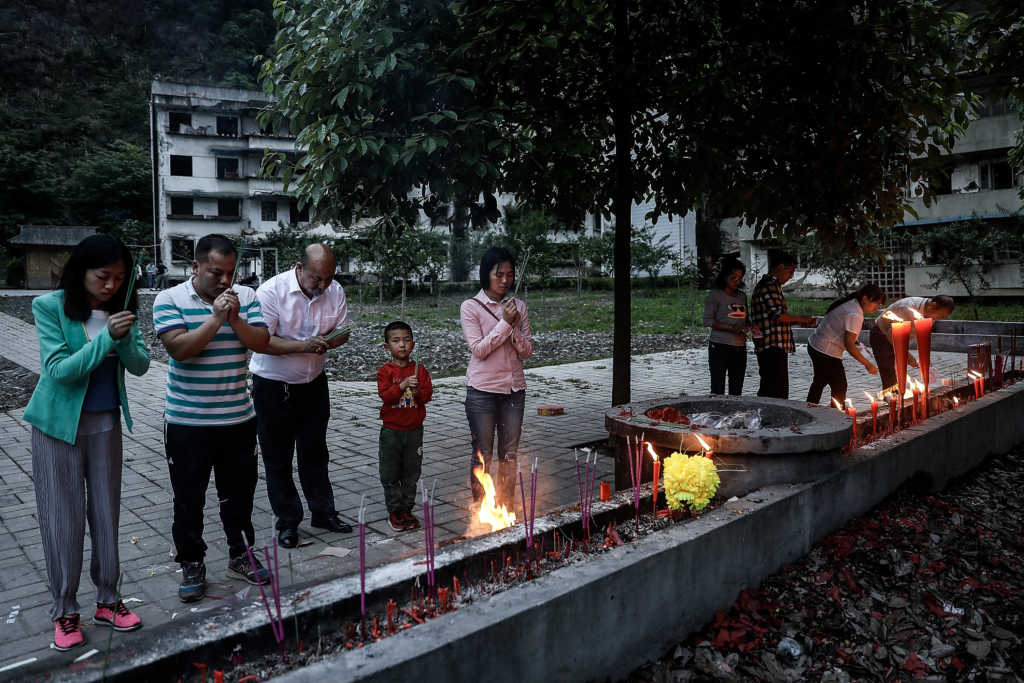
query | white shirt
[830, 335]
[904, 308]
[290, 314]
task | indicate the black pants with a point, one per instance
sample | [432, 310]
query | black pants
[773, 366]
[726, 358]
[293, 420]
[827, 370]
[885, 357]
[230, 452]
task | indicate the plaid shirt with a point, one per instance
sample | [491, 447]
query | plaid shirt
[766, 305]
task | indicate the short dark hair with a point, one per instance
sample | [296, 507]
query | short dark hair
[778, 257]
[945, 303]
[217, 243]
[396, 325]
[494, 256]
[725, 271]
[96, 251]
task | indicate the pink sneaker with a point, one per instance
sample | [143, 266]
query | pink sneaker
[118, 617]
[67, 633]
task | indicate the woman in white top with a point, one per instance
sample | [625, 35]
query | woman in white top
[838, 332]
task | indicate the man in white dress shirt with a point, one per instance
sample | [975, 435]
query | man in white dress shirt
[300, 306]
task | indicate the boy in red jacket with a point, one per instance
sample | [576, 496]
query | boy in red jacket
[405, 387]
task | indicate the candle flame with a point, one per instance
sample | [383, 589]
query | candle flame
[871, 398]
[956, 401]
[917, 316]
[889, 315]
[838, 405]
[849, 404]
[703, 443]
[650, 449]
[490, 513]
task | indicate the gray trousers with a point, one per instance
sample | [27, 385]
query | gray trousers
[74, 484]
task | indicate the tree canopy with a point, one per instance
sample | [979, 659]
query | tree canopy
[797, 117]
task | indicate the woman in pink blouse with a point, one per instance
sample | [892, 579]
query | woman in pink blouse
[498, 332]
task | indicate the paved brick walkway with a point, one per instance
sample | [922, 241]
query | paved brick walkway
[150, 575]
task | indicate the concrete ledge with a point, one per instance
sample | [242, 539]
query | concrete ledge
[601, 619]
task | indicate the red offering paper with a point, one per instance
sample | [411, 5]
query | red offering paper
[923, 329]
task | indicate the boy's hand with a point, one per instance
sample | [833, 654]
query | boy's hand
[409, 381]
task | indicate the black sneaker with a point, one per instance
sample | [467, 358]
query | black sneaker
[240, 568]
[193, 581]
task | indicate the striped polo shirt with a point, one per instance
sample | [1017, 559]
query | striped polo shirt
[208, 389]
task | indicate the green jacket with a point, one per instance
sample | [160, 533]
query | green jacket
[67, 358]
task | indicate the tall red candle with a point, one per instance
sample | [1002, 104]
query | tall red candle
[654, 484]
[874, 414]
[901, 348]
[852, 412]
[923, 330]
[917, 398]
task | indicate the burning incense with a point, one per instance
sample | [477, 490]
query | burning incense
[275, 627]
[131, 282]
[362, 562]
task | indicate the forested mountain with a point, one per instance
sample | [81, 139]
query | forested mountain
[74, 94]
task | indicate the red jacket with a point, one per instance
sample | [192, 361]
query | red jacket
[403, 410]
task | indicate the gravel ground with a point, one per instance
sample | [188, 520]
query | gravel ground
[16, 385]
[440, 345]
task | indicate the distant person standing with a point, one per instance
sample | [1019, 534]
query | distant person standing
[768, 313]
[837, 332]
[151, 275]
[289, 390]
[725, 312]
[207, 326]
[880, 338]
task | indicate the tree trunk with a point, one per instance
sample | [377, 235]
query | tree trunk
[622, 114]
[403, 298]
[693, 302]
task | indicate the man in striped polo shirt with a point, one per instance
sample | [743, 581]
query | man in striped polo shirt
[206, 326]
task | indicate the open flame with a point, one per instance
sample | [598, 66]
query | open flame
[703, 443]
[956, 401]
[889, 315]
[917, 316]
[650, 449]
[497, 516]
[837, 404]
[872, 399]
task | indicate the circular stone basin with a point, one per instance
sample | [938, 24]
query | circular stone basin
[786, 426]
[795, 442]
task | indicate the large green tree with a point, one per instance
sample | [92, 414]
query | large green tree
[797, 117]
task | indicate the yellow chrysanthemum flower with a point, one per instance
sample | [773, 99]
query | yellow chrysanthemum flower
[692, 480]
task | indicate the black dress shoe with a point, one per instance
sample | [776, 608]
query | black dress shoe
[332, 523]
[288, 538]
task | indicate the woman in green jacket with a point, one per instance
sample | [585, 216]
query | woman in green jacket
[87, 338]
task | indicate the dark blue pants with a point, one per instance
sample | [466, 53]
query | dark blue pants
[293, 420]
[726, 358]
[489, 412]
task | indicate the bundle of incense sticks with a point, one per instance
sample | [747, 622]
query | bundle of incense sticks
[276, 623]
[428, 534]
[339, 331]
[362, 562]
[585, 488]
[522, 274]
[528, 513]
[131, 283]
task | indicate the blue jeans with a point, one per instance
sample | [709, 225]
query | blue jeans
[486, 412]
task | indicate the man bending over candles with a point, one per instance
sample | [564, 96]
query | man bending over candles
[936, 308]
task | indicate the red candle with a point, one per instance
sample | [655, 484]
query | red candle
[923, 330]
[901, 348]
[874, 414]
[852, 412]
[654, 484]
[917, 397]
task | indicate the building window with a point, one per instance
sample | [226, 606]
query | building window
[182, 249]
[227, 125]
[179, 119]
[268, 210]
[182, 206]
[227, 167]
[995, 175]
[181, 165]
[229, 208]
[297, 215]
